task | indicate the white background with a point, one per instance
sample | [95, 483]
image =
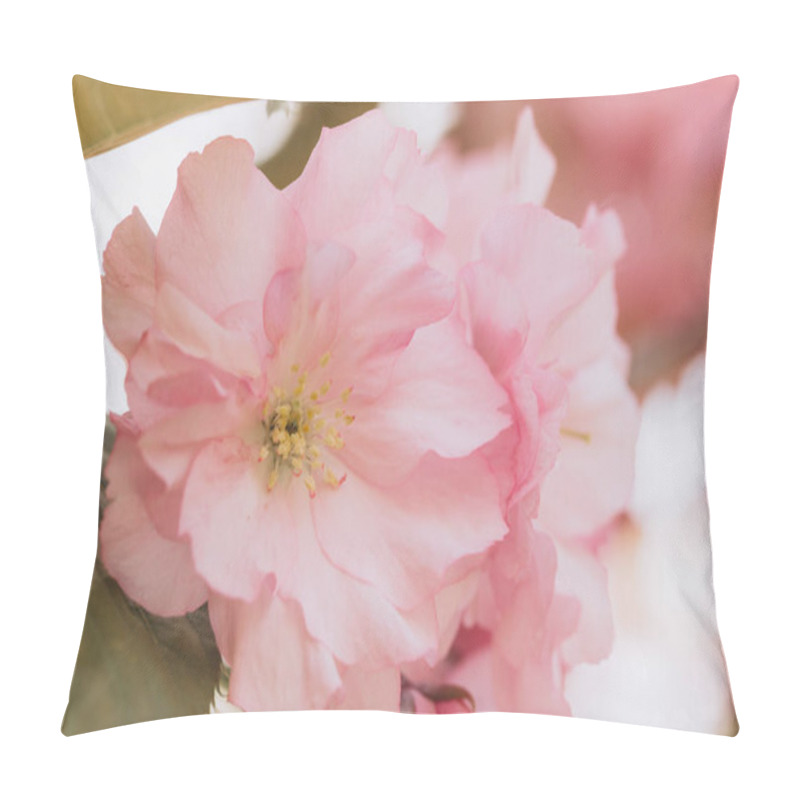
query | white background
[51, 373]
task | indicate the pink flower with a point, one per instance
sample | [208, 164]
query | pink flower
[657, 158]
[305, 443]
[462, 194]
[540, 308]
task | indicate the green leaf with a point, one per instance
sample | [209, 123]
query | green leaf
[133, 666]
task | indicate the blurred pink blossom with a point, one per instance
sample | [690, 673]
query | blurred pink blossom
[657, 159]
[537, 296]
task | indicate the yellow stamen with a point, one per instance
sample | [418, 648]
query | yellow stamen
[330, 477]
[296, 426]
[573, 434]
[333, 439]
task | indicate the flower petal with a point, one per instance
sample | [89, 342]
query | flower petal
[275, 664]
[198, 335]
[162, 378]
[547, 261]
[355, 620]
[227, 230]
[371, 690]
[239, 532]
[442, 399]
[350, 167]
[497, 316]
[592, 478]
[156, 572]
[582, 575]
[129, 282]
[403, 540]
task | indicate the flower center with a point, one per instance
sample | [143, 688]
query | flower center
[299, 426]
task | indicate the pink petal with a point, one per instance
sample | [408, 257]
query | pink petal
[485, 181]
[525, 452]
[442, 399]
[239, 532]
[532, 166]
[531, 627]
[587, 333]
[497, 317]
[536, 685]
[582, 575]
[401, 541]
[129, 282]
[280, 299]
[156, 572]
[602, 231]
[169, 445]
[350, 167]
[227, 230]
[524, 566]
[198, 335]
[546, 260]
[370, 690]
[301, 307]
[592, 478]
[275, 664]
[355, 620]
[451, 602]
[388, 293]
[161, 378]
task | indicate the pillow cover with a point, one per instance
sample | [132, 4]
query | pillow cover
[404, 407]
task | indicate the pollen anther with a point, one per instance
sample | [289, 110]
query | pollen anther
[296, 426]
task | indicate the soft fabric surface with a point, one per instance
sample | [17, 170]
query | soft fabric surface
[404, 407]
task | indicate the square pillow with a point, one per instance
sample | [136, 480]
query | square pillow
[405, 407]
